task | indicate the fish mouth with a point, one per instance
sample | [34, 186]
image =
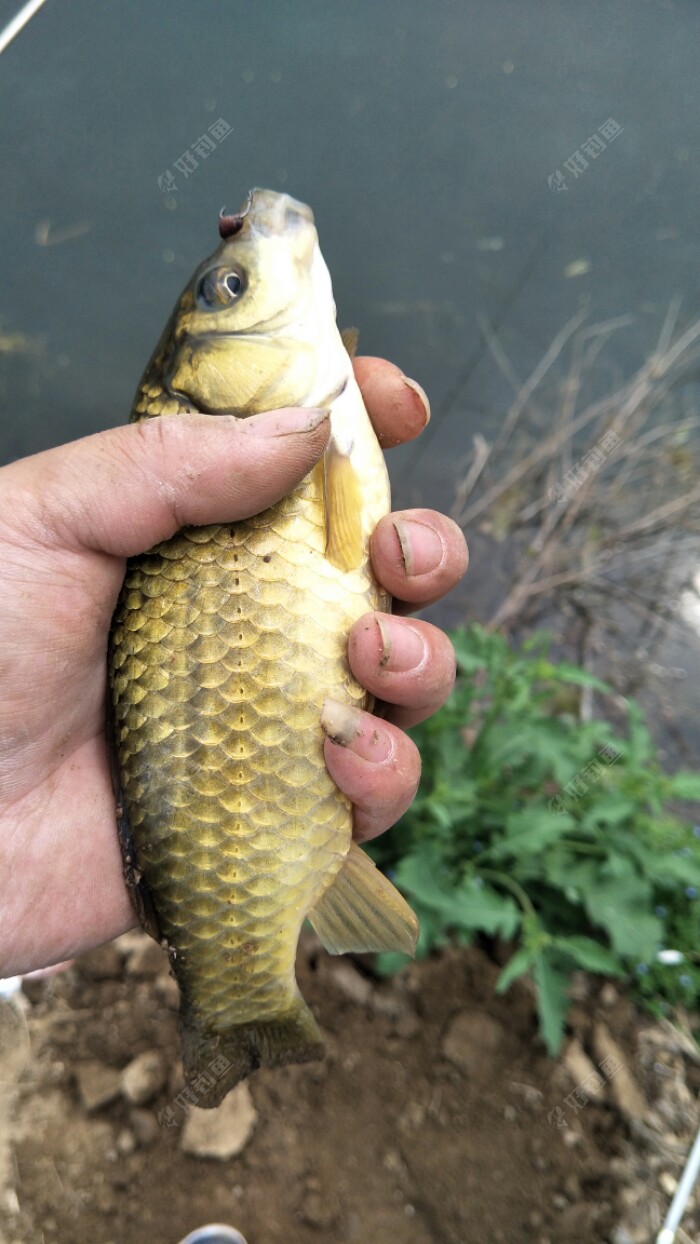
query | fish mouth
[268, 212]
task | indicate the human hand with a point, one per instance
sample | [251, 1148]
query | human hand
[68, 519]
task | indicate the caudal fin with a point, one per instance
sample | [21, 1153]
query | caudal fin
[215, 1062]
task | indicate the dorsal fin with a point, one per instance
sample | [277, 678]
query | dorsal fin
[350, 338]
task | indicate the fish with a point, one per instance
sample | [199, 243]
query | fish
[225, 642]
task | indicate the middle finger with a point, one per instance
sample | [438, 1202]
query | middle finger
[408, 664]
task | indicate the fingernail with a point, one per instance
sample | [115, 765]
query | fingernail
[422, 397]
[359, 732]
[289, 422]
[403, 647]
[422, 549]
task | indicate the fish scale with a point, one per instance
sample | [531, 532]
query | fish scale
[225, 643]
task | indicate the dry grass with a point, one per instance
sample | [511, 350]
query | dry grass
[606, 505]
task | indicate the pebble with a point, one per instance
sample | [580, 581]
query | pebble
[412, 1117]
[97, 1084]
[125, 1142]
[625, 1092]
[466, 1039]
[102, 963]
[317, 1211]
[145, 1127]
[667, 1183]
[147, 959]
[224, 1132]
[167, 992]
[608, 995]
[143, 1077]
[582, 1071]
[350, 983]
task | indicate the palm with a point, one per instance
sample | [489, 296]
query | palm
[55, 789]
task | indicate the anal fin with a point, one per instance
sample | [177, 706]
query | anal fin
[362, 911]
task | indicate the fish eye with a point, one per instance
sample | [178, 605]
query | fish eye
[220, 288]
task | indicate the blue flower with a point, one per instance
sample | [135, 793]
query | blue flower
[691, 891]
[642, 969]
[685, 980]
[661, 911]
[477, 846]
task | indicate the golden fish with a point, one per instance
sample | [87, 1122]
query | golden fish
[225, 643]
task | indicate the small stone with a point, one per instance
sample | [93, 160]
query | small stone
[467, 1038]
[581, 1070]
[143, 1077]
[101, 964]
[145, 1127]
[608, 995]
[167, 992]
[147, 959]
[412, 1118]
[97, 1084]
[626, 1095]
[667, 1183]
[387, 1003]
[317, 1211]
[125, 1142]
[348, 981]
[224, 1132]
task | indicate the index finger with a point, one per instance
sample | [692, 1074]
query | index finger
[397, 405]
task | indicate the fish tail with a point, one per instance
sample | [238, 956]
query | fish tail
[215, 1062]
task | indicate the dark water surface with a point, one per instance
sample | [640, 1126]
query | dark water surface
[423, 135]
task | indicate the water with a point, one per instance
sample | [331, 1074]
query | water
[424, 136]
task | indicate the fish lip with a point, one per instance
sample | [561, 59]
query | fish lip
[270, 210]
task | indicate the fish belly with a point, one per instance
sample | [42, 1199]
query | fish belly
[226, 641]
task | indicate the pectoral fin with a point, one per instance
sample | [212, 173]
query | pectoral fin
[343, 499]
[363, 911]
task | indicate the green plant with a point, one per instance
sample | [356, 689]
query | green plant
[534, 827]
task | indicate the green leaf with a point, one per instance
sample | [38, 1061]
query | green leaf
[468, 906]
[590, 955]
[684, 786]
[623, 906]
[552, 1001]
[532, 829]
[517, 966]
[574, 674]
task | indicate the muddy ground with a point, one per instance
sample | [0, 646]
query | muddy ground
[436, 1118]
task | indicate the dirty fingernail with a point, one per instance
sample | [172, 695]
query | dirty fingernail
[403, 647]
[421, 395]
[422, 549]
[361, 733]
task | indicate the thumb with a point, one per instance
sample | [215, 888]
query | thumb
[124, 490]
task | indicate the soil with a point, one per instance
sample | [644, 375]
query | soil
[436, 1117]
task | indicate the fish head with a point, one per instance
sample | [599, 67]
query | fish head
[245, 333]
